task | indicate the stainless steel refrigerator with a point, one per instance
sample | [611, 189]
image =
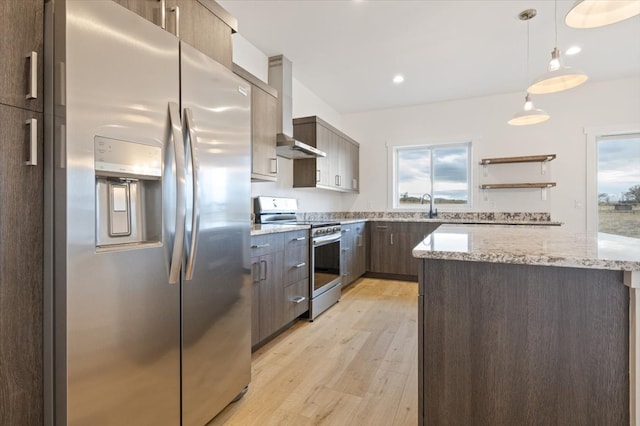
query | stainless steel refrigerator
[150, 222]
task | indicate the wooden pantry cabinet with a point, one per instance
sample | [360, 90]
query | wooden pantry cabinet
[21, 212]
[264, 104]
[203, 24]
[280, 277]
[339, 170]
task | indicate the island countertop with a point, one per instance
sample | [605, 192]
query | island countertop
[531, 245]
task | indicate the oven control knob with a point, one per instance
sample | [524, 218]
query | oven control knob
[320, 232]
[336, 229]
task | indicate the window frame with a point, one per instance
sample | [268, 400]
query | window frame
[592, 136]
[394, 169]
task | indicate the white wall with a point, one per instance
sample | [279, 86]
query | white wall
[305, 103]
[484, 121]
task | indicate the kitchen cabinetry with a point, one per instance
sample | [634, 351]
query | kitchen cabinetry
[353, 246]
[21, 51]
[280, 276]
[339, 170]
[296, 274]
[21, 213]
[204, 24]
[391, 244]
[264, 99]
[267, 257]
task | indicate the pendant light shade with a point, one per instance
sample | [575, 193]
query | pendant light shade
[529, 114]
[597, 13]
[558, 77]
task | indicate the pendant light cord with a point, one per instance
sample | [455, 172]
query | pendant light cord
[528, 43]
[555, 18]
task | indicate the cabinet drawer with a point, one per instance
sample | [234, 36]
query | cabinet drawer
[296, 256]
[263, 244]
[296, 299]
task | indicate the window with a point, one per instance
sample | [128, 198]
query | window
[425, 170]
[618, 184]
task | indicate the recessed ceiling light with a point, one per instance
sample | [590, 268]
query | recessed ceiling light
[398, 79]
[573, 50]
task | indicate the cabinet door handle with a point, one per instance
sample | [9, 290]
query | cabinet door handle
[317, 175]
[346, 229]
[346, 249]
[391, 238]
[274, 165]
[300, 239]
[300, 265]
[298, 299]
[32, 93]
[176, 9]
[359, 241]
[163, 14]
[260, 245]
[265, 270]
[255, 278]
[337, 179]
[33, 142]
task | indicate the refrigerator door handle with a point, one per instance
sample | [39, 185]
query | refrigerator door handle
[195, 218]
[178, 240]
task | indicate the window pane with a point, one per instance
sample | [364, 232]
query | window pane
[619, 185]
[450, 175]
[413, 174]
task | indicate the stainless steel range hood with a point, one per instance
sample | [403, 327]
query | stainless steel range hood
[288, 147]
[281, 77]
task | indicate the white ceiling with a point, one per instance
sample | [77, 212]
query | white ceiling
[348, 51]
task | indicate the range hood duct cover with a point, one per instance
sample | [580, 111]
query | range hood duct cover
[281, 78]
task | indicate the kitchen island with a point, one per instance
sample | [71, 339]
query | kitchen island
[528, 325]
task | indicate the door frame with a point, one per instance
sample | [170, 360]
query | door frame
[592, 134]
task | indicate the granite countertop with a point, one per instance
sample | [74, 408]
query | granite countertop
[531, 245]
[465, 221]
[259, 229]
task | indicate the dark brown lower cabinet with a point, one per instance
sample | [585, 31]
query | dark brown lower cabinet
[353, 255]
[280, 275]
[21, 270]
[391, 244]
[505, 345]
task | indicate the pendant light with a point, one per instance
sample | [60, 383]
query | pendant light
[597, 13]
[529, 113]
[558, 76]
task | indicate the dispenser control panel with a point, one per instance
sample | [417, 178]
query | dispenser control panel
[113, 156]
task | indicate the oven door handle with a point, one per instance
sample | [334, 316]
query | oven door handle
[328, 239]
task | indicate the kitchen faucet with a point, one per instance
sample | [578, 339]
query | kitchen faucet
[431, 212]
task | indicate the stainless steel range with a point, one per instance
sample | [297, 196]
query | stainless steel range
[324, 255]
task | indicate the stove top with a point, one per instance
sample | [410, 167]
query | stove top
[282, 211]
[317, 223]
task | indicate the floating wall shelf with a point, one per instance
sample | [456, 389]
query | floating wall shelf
[517, 185]
[524, 159]
[542, 159]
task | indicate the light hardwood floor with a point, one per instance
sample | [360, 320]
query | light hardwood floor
[356, 364]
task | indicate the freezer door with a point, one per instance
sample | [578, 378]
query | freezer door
[117, 317]
[216, 294]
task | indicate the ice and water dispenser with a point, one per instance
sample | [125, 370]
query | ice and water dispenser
[128, 193]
